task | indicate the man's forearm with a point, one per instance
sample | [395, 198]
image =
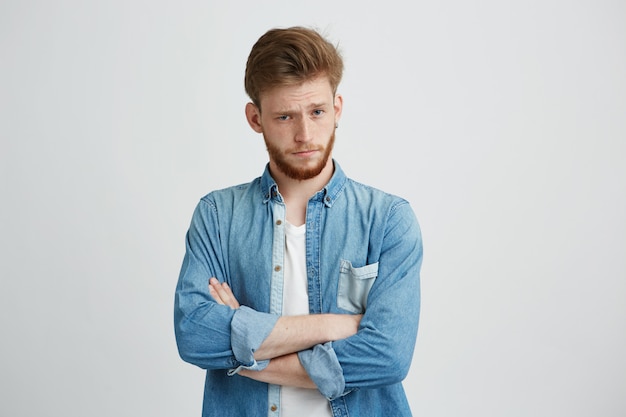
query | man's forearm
[283, 370]
[295, 333]
[292, 334]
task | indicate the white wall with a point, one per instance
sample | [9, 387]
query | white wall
[502, 122]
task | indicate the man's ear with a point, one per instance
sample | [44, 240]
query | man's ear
[253, 115]
[338, 105]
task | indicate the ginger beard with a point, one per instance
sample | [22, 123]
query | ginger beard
[299, 172]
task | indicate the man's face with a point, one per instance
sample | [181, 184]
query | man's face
[298, 126]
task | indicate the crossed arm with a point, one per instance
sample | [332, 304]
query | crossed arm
[290, 335]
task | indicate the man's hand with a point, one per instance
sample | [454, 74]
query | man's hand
[222, 293]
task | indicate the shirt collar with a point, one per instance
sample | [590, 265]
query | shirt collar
[328, 194]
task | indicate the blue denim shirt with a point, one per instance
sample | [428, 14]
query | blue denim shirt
[363, 255]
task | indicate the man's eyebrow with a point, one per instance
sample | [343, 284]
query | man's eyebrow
[318, 105]
[309, 107]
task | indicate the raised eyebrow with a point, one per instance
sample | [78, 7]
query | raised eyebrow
[319, 105]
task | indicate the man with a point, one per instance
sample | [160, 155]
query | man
[299, 291]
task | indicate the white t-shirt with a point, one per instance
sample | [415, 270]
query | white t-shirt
[298, 402]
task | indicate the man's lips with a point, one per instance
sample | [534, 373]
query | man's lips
[305, 152]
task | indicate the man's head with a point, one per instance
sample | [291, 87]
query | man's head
[292, 77]
[290, 56]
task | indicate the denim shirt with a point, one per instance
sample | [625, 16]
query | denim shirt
[363, 256]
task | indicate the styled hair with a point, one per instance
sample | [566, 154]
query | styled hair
[283, 57]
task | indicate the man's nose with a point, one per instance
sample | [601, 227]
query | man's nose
[304, 130]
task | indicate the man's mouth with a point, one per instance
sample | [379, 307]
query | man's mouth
[304, 152]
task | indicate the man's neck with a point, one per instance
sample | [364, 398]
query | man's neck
[297, 193]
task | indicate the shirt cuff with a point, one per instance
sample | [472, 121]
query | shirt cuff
[323, 367]
[249, 328]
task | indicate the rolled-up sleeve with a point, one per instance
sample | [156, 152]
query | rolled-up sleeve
[249, 329]
[208, 334]
[324, 369]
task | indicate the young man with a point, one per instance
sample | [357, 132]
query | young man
[299, 291]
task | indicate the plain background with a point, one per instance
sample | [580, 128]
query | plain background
[503, 123]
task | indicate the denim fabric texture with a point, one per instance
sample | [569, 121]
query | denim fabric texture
[363, 255]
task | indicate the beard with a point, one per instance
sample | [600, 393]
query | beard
[299, 172]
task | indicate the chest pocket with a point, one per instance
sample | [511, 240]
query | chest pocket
[355, 285]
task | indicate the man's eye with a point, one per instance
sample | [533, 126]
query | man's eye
[283, 117]
[318, 112]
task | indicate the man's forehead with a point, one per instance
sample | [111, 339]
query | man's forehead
[309, 93]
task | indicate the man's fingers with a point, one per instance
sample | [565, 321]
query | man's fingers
[227, 295]
[215, 295]
[222, 293]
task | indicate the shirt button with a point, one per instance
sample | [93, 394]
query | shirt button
[277, 268]
[273, 407]
[279, 222]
